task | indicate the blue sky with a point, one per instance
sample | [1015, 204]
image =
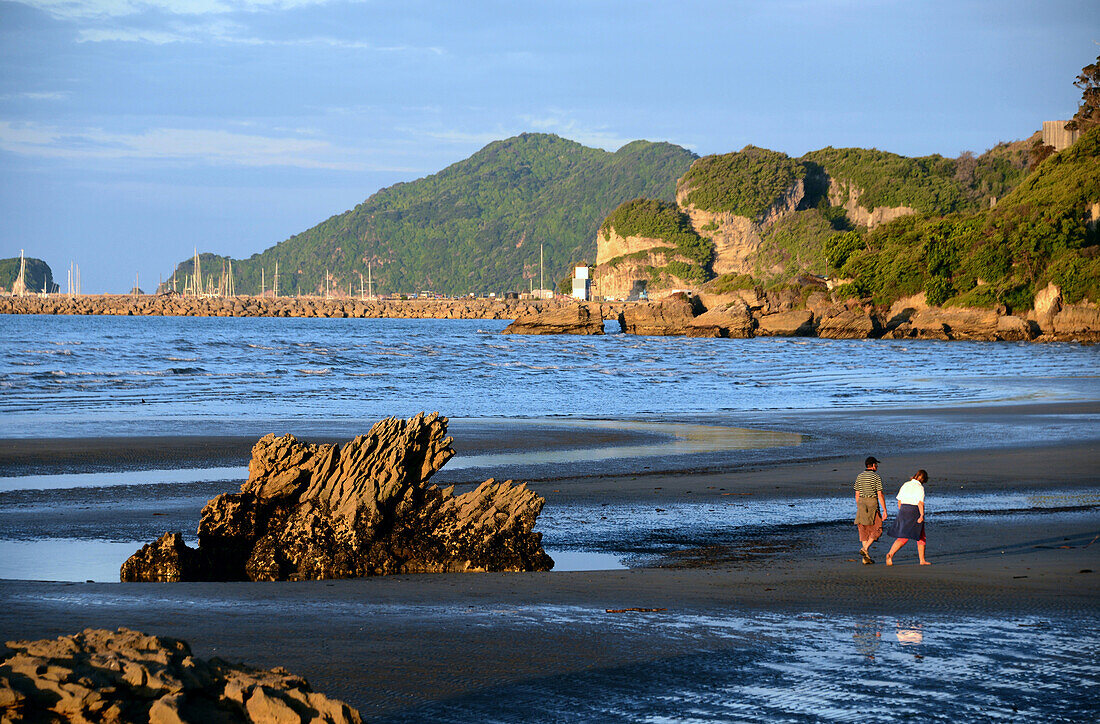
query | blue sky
[132, 131]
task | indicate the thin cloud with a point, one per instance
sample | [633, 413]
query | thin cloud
[233, 34]
[88, 9]
[598, 136]
[178, 144]
[37, 96]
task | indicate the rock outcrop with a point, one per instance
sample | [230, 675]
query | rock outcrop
[1048, 302]
[848, 324]
[1080, 322]
[732, 320]
[672, 316]
[361, 509]
[795, 323]
[571, 319]
[126, 676]
[964, 323]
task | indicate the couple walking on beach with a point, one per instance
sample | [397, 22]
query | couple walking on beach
[909, 522]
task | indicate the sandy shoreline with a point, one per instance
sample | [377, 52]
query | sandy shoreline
[393, 646]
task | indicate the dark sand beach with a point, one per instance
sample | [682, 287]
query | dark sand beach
[751, 616]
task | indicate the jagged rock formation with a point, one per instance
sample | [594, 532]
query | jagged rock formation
[365, 508]
[572, 319]
[126, 676]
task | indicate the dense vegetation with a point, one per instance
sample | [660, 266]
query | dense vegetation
[929, 184]
[745, 183]
[475, 226]
[1038, 233]
[796, 243]
[38, 274]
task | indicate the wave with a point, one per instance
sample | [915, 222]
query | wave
[187, 370]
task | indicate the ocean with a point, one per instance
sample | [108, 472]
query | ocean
[93, 376]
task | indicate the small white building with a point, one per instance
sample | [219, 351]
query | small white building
[582, 285]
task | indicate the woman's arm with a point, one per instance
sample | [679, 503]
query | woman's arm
[921, 506]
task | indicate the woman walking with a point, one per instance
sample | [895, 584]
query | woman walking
[910, 520]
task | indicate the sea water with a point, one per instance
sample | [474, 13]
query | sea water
[69, 376]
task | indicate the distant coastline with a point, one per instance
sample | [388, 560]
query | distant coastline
[674, 316]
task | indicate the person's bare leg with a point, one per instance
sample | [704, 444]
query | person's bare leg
[920, 554]
[894, 549]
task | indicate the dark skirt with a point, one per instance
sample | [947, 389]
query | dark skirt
[905, 524]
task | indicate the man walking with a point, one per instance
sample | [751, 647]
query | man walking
[869, 499]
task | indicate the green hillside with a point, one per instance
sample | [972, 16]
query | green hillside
[38, 274]
[745, 183]
[929, 184]
[475, 226]
[1038, 233]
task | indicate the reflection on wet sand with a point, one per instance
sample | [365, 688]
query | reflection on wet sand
[910, 634]
[868, 637]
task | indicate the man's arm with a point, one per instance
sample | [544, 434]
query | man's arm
[882, 502]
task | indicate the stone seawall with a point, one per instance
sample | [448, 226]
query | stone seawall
[177, 306]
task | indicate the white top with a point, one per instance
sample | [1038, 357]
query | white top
[911, 493]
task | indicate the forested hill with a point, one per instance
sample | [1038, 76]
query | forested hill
[38, 276]
[476, 226]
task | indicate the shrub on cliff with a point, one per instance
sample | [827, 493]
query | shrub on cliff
[653, 219]
[745, 183]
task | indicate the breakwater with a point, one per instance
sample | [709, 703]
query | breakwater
[246, 306]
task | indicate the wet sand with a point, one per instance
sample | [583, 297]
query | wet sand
[486, 646]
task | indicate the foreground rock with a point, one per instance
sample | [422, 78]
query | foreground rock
[362, 509]
[126, 676]
[571, 319]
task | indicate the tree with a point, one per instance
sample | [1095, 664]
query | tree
[1088, 113]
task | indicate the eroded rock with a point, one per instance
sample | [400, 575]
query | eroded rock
[361, 509]
[731, 320]
[796, 323]
[126, 676]
[848, 324]
[670, 316]
[570, 319]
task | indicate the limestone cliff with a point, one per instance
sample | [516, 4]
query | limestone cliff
[737, 238]
[843, 193]
[620, 261]
[610, 245]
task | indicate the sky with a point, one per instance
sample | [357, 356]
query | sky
[134, 131]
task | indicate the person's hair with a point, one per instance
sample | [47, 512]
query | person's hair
[921, 476]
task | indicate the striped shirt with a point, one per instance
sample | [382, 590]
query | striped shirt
[868, 484]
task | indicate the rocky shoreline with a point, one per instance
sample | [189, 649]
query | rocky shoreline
[743, 314]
